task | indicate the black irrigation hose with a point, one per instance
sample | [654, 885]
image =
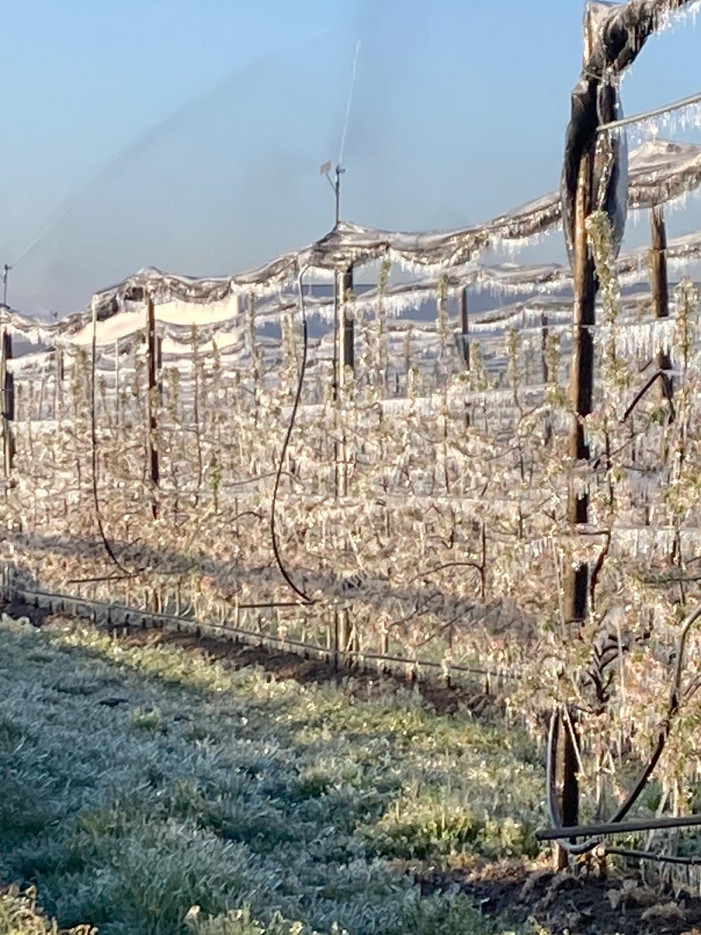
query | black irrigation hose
[293, 415]
[672, 709]
[657, 858]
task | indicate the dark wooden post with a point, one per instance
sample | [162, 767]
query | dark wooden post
[465, 338]
[348, 334]
[346, 632]
[544, 347]
[117, 391]
[576, 580]
[159, 368]
[344, 353]
[251, 340]
[151, 404]
[660, 289]
[58, 388]
[582, 370]
[660, 293]
[613, 38]
[581, 379]
[465, 327]
[566, 779]
[7, 384]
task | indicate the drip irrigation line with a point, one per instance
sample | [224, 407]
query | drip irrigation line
[630, 827]
[656, 858]
[557, 830]
[252, 635]
[293, 415]
[102, 578]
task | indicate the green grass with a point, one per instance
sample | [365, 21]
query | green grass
[215, 801]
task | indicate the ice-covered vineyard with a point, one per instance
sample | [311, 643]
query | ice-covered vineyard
[438, 446]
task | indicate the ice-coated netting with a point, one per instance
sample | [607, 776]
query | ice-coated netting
[446, 263]
[658, 171]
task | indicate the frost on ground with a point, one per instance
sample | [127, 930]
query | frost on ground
[146, 790]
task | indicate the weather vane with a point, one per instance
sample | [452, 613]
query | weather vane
[336, 186]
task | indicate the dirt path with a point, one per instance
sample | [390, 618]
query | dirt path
[282, 665]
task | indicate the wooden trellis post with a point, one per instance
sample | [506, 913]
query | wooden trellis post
[582, 371]
[7, 384]
[567, 780]
[660, 294]
[576, 582]
[660, 290]
[613, 38]
[151, 404]
[465, 327]
[346, 356]
[544, 334]
[581, 379]
[347, 638]
[159, 367]
[59, 374]
[348, 333]
[251, 341]
[117, 391]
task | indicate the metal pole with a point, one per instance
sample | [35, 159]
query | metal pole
[337, 188]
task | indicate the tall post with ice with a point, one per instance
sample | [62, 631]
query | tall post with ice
[594, 178]
[660, 291]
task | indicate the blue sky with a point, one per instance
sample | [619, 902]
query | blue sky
[188, 134]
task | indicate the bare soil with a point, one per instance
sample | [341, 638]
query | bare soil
[567, 904]
[283, 665]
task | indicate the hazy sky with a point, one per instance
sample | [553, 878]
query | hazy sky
[188, 134]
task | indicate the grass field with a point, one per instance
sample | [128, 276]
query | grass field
[148, 789]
